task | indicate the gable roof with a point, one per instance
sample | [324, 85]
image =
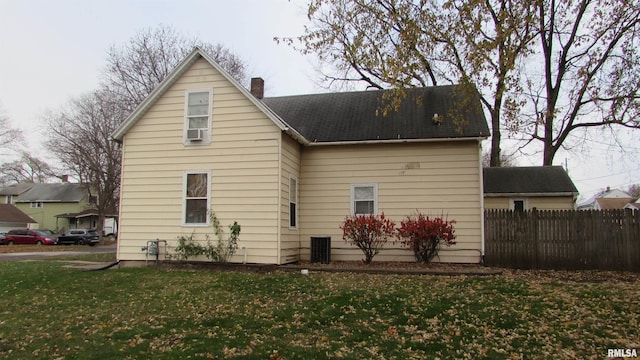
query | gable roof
[11, 214]
[530, 180]
[15, 190]
[613, 203]
[60, 192]
[352, 116]
[175, 74]
[342, 117]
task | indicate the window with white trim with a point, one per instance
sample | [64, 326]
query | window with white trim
[36, 205]
[293, 202]
[518, 205]
[364, 199]
[198, 116]
[197, 190]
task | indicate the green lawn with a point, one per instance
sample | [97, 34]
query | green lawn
[51, 312]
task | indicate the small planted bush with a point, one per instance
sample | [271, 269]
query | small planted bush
[223, 250]
[187, 247]
[425, 235]
[220, 251]
[368, 232]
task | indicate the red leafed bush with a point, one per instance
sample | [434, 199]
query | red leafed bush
[426, 235]
[368, 232]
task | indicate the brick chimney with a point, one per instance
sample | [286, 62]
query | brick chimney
[257, 87]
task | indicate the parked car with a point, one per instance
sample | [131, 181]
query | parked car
[2, 236]
[79, 237]
[30, 237]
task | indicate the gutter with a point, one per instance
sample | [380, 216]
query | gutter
[530, 194]
[394, 141]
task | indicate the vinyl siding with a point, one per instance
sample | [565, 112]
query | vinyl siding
[434, 178]
[289, 237]
[243, 159]
[538, 202]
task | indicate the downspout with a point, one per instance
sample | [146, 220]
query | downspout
[481, 174]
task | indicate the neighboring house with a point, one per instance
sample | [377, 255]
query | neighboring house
[86, 219]
[607, 200]
[291, 168]
[12, 218]
[43, 202]
[526, 188]
[635, 205]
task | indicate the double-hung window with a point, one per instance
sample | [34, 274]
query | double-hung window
[364, 199]
[198, 116]
[293, 202]
[197, 197]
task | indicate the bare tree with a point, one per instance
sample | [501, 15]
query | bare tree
[80, 136]
[133, 70]
[634, 190]
[403, 43]
[27, 169]
[9, 137]
[590, 72]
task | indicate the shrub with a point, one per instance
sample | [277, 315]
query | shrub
[426, 235]
[223, 250]
[368, 232]
[188, 247]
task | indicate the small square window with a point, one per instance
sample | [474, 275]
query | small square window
[364, 199]
[518, 205]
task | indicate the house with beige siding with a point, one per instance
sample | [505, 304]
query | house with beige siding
[527, 188]
[291, 168]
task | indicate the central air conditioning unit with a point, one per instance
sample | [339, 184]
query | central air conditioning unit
[195, 134]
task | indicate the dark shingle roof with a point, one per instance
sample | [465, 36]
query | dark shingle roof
[61, 192]
[527, 180]
[351, 116]
[15, 190]
[11, 214]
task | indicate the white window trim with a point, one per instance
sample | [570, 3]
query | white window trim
[36, 205]
[208, 133]
[512, 205]
[296, 199]
[184, 197]
[375, 196]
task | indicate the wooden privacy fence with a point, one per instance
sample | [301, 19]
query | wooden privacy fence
[563, 239]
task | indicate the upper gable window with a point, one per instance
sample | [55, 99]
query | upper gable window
[198, 116]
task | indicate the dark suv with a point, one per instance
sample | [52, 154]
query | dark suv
[79, 237]
[30, 237]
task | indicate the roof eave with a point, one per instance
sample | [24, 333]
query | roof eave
[395, 141]
[525, 194]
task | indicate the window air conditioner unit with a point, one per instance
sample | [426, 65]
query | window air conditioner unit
[195, 134]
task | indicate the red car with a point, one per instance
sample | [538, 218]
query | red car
[30, 237]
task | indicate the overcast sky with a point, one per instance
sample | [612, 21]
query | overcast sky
[51, 51]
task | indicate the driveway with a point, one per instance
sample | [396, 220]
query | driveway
[36, 255]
